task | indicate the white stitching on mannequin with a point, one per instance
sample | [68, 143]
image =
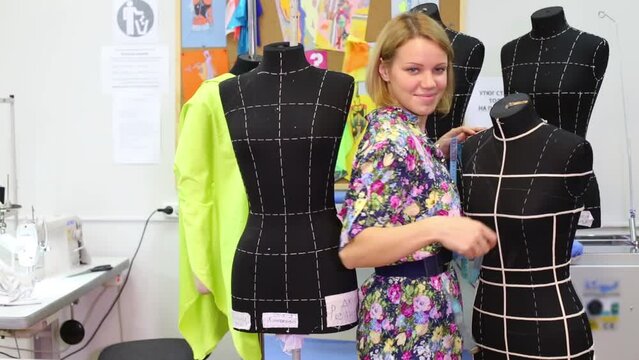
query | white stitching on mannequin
[284, 72]
[525, 238]
[291, 253]
[512, 69]
[574, 151]
[280, 105]
[310, 218]
[549, 37]
[259, 191]
[577, 113]
[550, 63]
[288, 139]
[534, 86]
[574, 356]
[287, 301]
[527, 286]
[561, 79]
[293, 213]
[594, 56]
[279, 135]
[467, 67]
[559, 296]
[501, 255]
[474, 167]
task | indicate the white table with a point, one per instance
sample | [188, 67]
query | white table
[55, 294]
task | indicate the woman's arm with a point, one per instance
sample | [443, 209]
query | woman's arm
[378, 246]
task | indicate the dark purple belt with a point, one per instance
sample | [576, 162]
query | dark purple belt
[430, 266]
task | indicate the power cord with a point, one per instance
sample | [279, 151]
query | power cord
[167, 210]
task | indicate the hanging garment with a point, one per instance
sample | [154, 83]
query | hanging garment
[213, 211]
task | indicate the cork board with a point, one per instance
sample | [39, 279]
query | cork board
[380, 12]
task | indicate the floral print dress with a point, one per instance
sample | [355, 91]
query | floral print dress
[400, 177]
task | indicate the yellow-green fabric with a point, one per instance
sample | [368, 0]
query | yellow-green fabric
[213, 208]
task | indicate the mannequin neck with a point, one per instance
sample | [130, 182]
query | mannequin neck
[429, 9]
[548, 22]
[244, 64]
[282, 58]
[514, 116]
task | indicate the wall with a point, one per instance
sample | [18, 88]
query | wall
[496, 22]
[50, 59]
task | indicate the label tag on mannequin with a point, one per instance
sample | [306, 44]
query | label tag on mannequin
[586, 219]
[452, 167]
[341, 309]
[279, 320]
[241, 320]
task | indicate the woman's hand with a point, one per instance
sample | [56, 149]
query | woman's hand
[465, 236]
[461, 133]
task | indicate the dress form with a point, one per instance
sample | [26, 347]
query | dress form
[469, 57]
[561, 68]
[526, 179]
[285, 119]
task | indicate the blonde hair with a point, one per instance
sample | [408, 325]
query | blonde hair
[396, 33]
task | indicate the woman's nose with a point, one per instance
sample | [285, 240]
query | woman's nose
[427, 80]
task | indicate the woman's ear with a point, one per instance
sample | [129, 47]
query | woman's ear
[383, 70]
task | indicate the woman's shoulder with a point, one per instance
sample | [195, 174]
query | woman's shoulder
[387, 119]
[387, 131]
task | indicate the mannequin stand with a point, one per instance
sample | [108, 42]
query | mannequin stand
[632, 225]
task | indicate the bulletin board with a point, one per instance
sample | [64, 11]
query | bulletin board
[197, 63]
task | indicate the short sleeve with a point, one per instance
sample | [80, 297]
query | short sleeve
[375, 192]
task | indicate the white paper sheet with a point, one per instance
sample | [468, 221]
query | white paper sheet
[488, 90]
[135, 68]
[136, 129]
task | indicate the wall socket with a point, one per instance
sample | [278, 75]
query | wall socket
[176, 209]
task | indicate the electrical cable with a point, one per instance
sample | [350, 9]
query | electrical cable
[7, 355]
[94, 303]
[17, 346]
[167, 210]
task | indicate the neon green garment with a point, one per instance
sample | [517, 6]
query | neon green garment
[213, 210]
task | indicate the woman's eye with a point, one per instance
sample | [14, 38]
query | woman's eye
[440, 70]
[413, 70]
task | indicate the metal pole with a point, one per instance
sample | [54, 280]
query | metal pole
[252, 28]
[632, 226]
[12, 197]
[296, 354]
[294, 22]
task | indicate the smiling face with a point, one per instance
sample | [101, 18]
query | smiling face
[416, 76]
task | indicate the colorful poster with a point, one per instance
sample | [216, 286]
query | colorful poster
[338, 19]
[402, 6]
[307, 21]
[200, 65]
[317, 58]
[203, 23]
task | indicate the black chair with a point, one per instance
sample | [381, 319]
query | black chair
[152, 349]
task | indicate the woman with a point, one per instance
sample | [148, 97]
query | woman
[402, 213]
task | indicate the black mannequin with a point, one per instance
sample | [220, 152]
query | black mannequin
[525, 179]
[244, 64]
[561, 68]
[286, 119]
[469, 57]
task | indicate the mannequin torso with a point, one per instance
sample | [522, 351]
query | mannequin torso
[561, 68]
[469, 57]
[285, 119]
[525, 179]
